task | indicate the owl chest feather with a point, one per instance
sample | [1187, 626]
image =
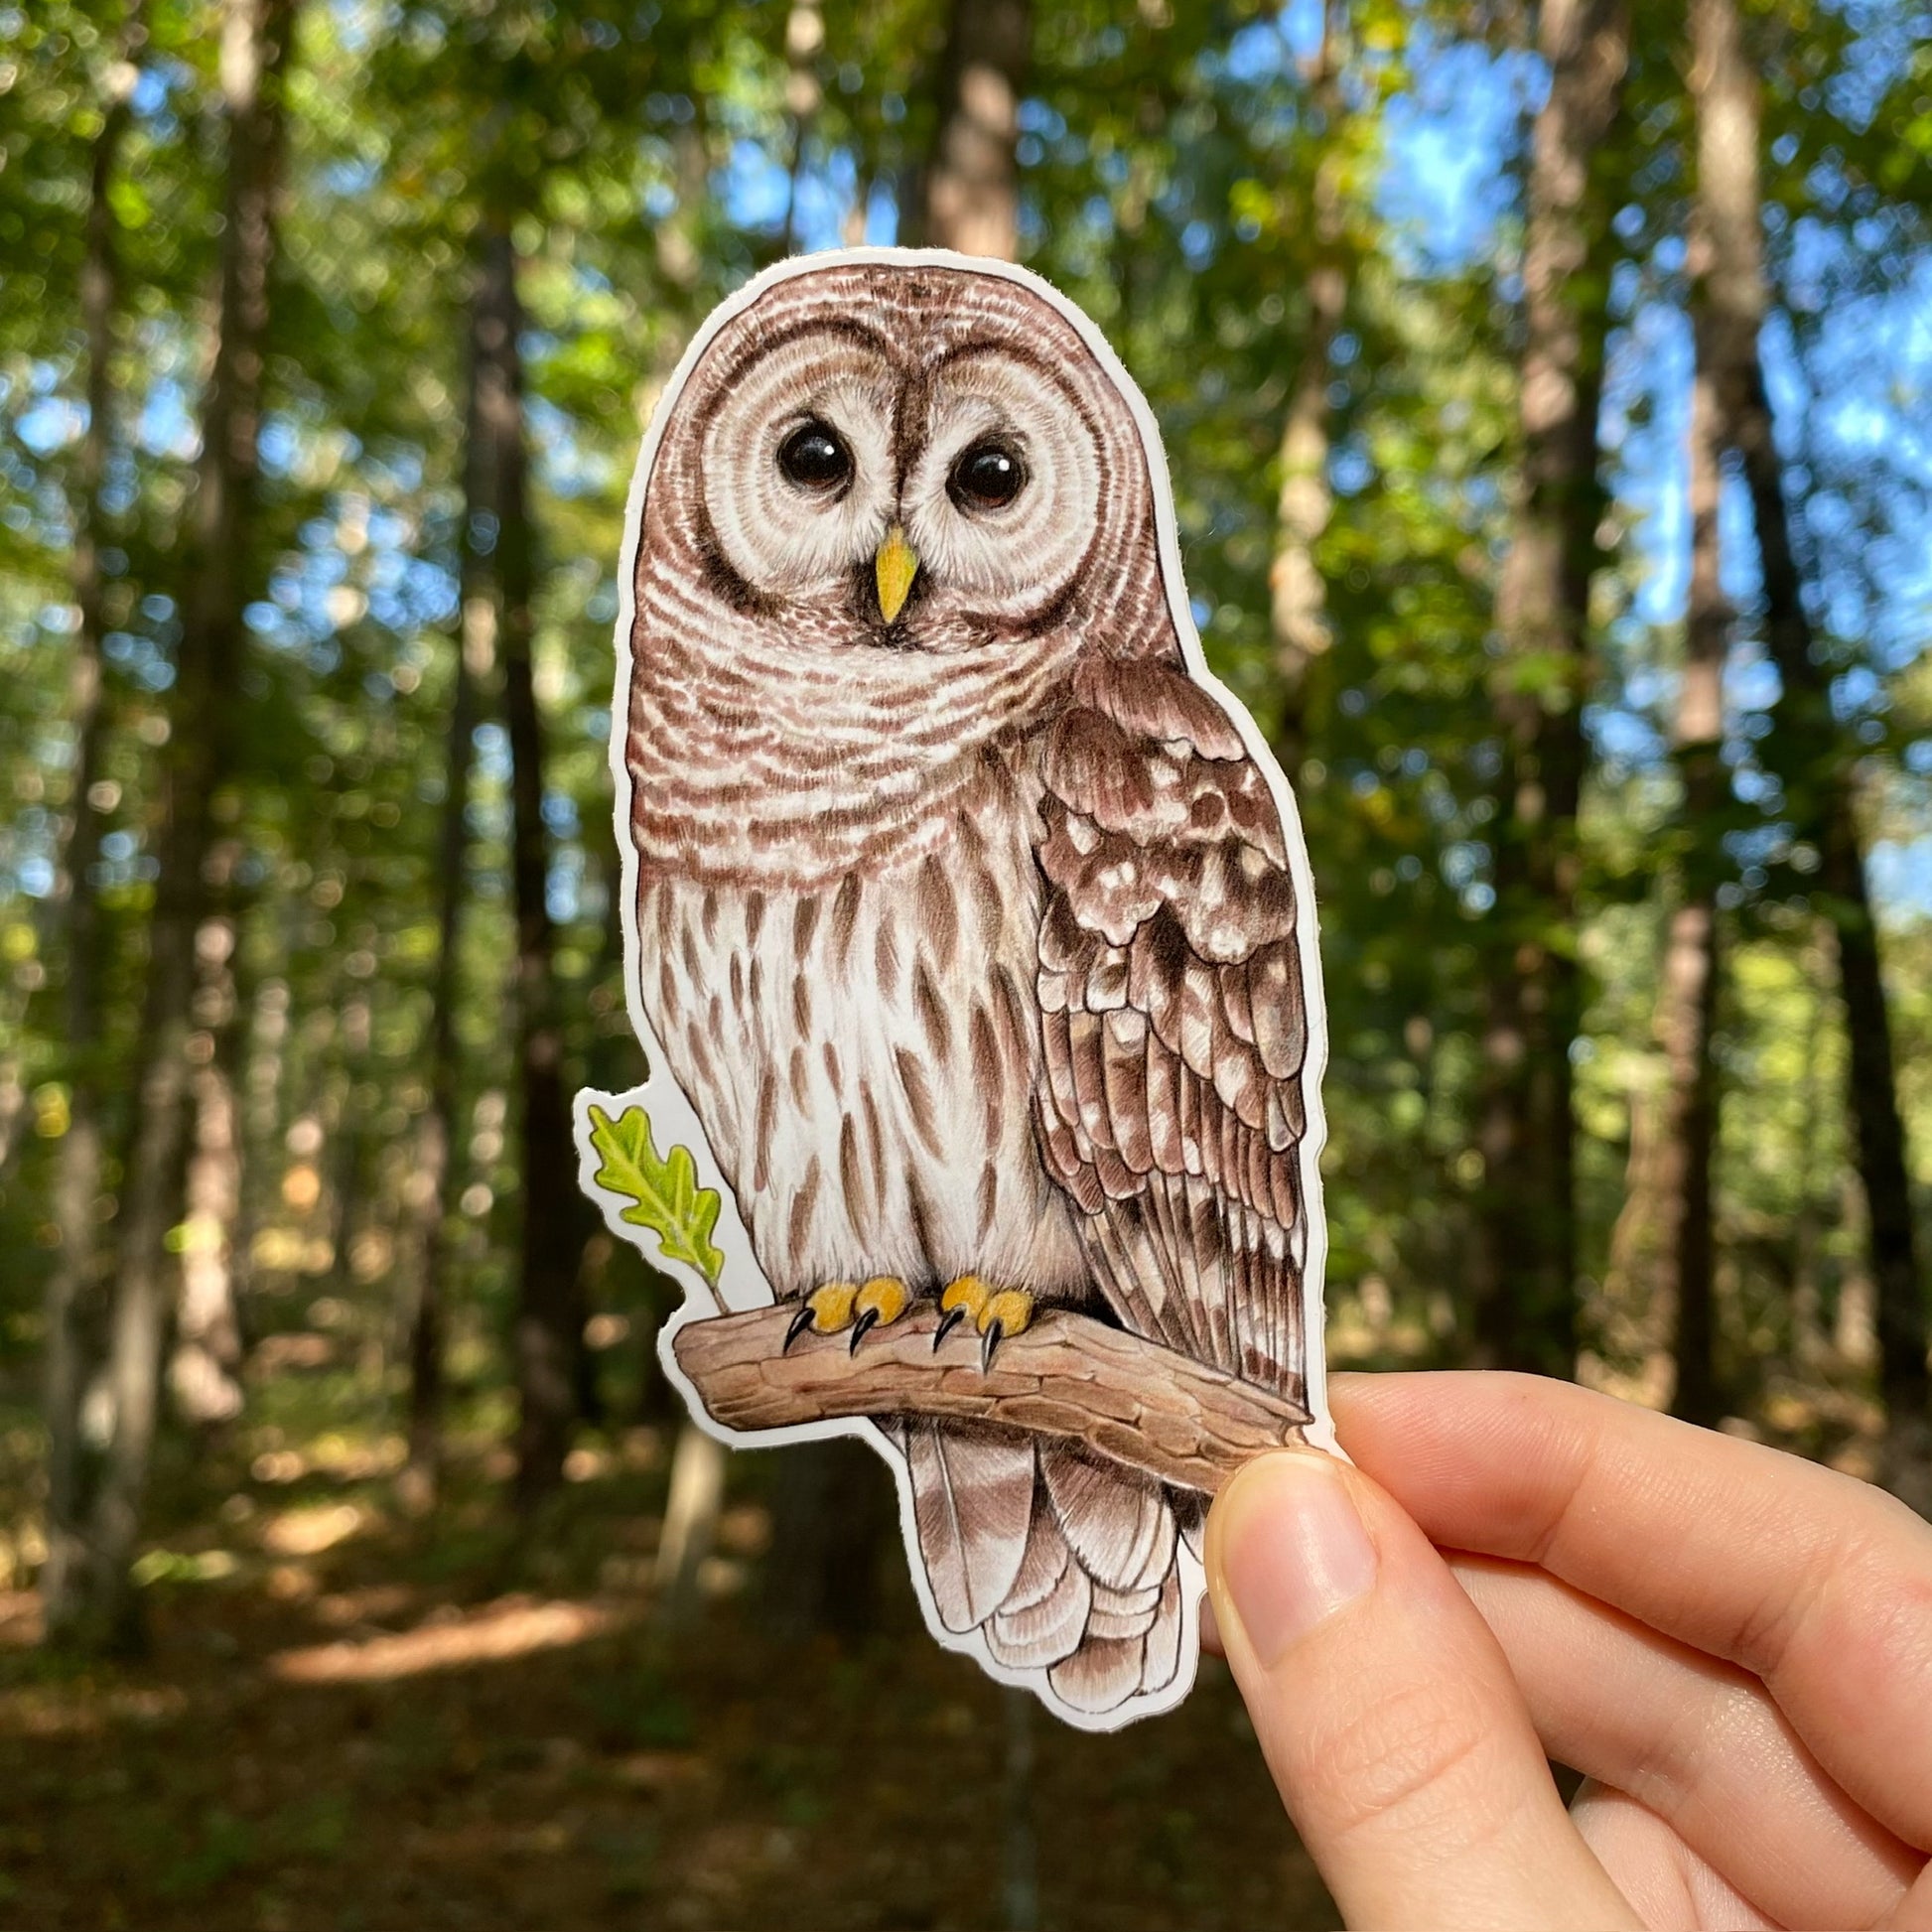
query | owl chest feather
[863, 1056]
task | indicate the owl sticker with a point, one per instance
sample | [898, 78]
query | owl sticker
[971, 939]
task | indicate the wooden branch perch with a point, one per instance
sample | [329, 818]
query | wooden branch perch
[1127, 1399]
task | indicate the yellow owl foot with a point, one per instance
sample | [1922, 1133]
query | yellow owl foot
[995, 1313]
[860, 1307]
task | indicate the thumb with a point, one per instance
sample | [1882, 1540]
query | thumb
[1387, 1713]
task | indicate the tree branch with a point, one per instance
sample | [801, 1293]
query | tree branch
[1125, 1398]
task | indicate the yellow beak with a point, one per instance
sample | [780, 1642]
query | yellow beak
[895, 567]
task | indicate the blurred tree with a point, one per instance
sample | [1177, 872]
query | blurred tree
[1688, 998]
[73, 1277]
[1807, 742]
[1525, 1315]
[1306, 502]
[549, 1320]
[472, 661]
[195, 767]
[967, 196]
[805, 42]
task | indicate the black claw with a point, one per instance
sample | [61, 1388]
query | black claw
[799, 1324]
[947, 1324]
[858, 1327]
[993, 1334]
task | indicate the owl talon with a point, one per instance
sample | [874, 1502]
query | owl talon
[964, 1295]
[825, 1311]
[995, 1313]
[883, 1299]
[995, 1332]
[861, 1307]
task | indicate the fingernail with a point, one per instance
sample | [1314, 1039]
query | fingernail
[1292, 1550]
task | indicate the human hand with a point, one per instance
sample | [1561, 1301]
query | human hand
[1733, 1645]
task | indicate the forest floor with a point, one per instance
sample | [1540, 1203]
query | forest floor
[349, 1721]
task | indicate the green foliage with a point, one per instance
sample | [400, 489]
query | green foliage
[665, 1194]
[1169, 158]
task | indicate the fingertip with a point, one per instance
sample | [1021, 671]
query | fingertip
[1385, 1708]
[1210, 1629]
[1286, 1549]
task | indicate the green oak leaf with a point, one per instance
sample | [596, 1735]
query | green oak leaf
[665, 1194]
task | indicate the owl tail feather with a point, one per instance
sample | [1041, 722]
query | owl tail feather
[1064, 1566]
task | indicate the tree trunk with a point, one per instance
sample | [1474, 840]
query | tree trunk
[427, 1193]
[13, 1092]
[345, 1167]
[549, 1323]
[1629, 1329]
[1020, 1840]
[206, 1354]
[1810, 1343]
[474, 663]
[195, 764]
[969, 194]
[1807, 743]
[1873, 1099]
[1688, 998]
[1526, 1315]
[691, 1510]
[1688, 1256]
[1298, 603]
[77, 1184]
[805, 42]
[831, 1515]
[262, 1080]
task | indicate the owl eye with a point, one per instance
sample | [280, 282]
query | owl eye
[988, 477]
[814, 457]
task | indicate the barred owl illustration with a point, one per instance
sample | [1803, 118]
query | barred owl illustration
[966, 918]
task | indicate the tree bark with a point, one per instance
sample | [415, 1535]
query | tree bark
[805, 41]
[1874, 1101]
[1807, 742]
[345, 1149]
[1019, 1837]
[691, 1510]
[196, 763]
[968, 197]
[427, 1195]
[1687, 1004]
[264, 1062]
[1298, 601]
[205, 1362]
[548, 1322]
[831, 1516]
[1688, 1257]
[1121, 1398]
[77, 1186]
[1526, 1313]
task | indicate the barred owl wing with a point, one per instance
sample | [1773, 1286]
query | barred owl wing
[1170, 1103]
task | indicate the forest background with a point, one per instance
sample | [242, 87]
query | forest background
[1547, 391]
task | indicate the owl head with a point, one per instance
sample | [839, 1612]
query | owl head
[901, 456]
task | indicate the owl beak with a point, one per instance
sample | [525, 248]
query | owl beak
[894, 568]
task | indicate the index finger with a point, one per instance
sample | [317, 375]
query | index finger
[1817, 1584]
